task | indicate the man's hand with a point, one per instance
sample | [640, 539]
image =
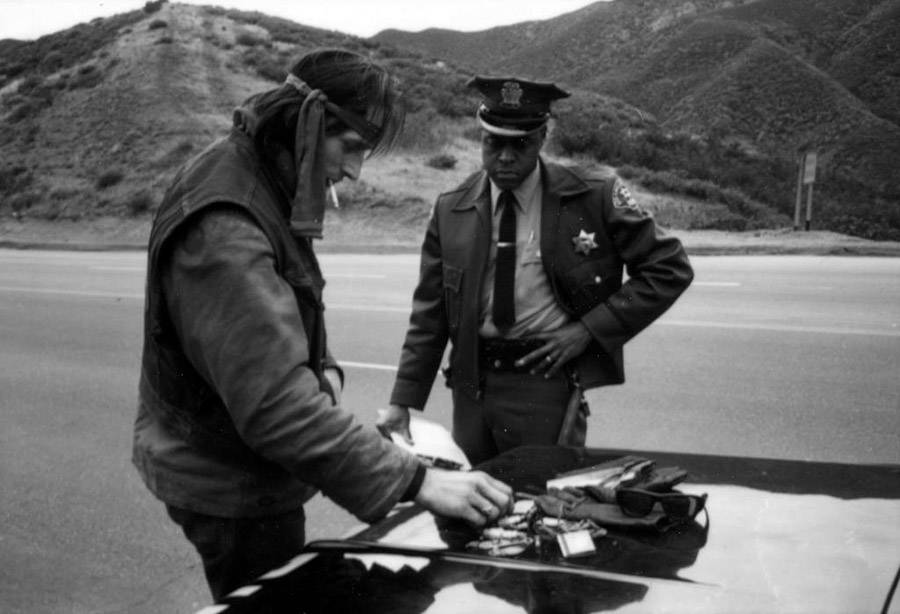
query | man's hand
[395, 420]
[334, 378]
[473, 496]
[561, 346]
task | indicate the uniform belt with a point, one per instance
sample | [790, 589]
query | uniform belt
[501, 354]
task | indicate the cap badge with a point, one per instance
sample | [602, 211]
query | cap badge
[511, 94]
[584, 242]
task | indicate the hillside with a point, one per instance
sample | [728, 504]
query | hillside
[103, 134]
[94, 120]
[770, 77]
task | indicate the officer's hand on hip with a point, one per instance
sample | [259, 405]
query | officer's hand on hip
[473, 496]
[395, 420]
[560, 346]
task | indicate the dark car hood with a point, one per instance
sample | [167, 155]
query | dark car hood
[779, 536]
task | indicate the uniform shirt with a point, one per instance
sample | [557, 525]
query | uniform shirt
[536, 307]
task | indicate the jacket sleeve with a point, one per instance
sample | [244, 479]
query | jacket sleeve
[240, 327]
[657, 265]
[426, 337]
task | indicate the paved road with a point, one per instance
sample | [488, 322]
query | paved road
[790, 356]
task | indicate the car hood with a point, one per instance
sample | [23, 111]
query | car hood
[778, 536]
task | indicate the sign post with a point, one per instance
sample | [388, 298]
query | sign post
[809, 178]
[806, 175]
[799, 199]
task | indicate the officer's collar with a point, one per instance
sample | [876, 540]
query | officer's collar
[560, 180]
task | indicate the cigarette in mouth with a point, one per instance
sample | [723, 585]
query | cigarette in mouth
[334, 198]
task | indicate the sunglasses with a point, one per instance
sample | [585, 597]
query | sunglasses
[637, 503]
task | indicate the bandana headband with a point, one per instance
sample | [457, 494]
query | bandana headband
[367, 130]
[308, 206]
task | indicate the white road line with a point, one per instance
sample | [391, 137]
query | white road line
[723, 284]
[367, 365]
[355, 276]
[352, 307]
[134, 269]
[786, 328]
[85, 293]
[69, 263]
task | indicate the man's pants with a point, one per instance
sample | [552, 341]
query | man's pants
[515, 409]
[236, 551]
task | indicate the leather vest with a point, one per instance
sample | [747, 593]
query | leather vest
[229, 172]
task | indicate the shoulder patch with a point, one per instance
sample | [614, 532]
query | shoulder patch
[622, 198]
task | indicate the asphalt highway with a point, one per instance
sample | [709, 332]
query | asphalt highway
[789, 356]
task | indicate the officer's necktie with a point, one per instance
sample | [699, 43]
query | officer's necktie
[504, 310]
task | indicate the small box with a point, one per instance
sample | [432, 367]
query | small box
[576, 543]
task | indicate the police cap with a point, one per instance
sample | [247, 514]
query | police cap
[514, 107]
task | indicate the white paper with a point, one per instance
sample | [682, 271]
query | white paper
[432, 440]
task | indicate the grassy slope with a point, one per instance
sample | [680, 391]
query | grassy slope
[866, 61]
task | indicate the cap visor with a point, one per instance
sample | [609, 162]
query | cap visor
[506, 131]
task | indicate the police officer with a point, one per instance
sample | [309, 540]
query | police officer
[522, 271]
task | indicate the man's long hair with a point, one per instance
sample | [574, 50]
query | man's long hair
[351, 81]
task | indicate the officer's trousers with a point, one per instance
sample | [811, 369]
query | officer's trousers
[515, 409]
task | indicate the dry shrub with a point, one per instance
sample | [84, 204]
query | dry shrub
[109, 179]
[140, 202]
[87, 76]
[442, 161]
[251, 37]
[20, 203]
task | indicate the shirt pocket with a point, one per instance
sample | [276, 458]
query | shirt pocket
[452, 295]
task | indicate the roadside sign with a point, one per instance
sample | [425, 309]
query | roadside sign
[806, 176]
[809, 167]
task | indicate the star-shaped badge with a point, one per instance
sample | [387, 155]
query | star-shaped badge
[584, 242]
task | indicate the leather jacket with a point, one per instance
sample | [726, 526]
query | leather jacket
[235, 417]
